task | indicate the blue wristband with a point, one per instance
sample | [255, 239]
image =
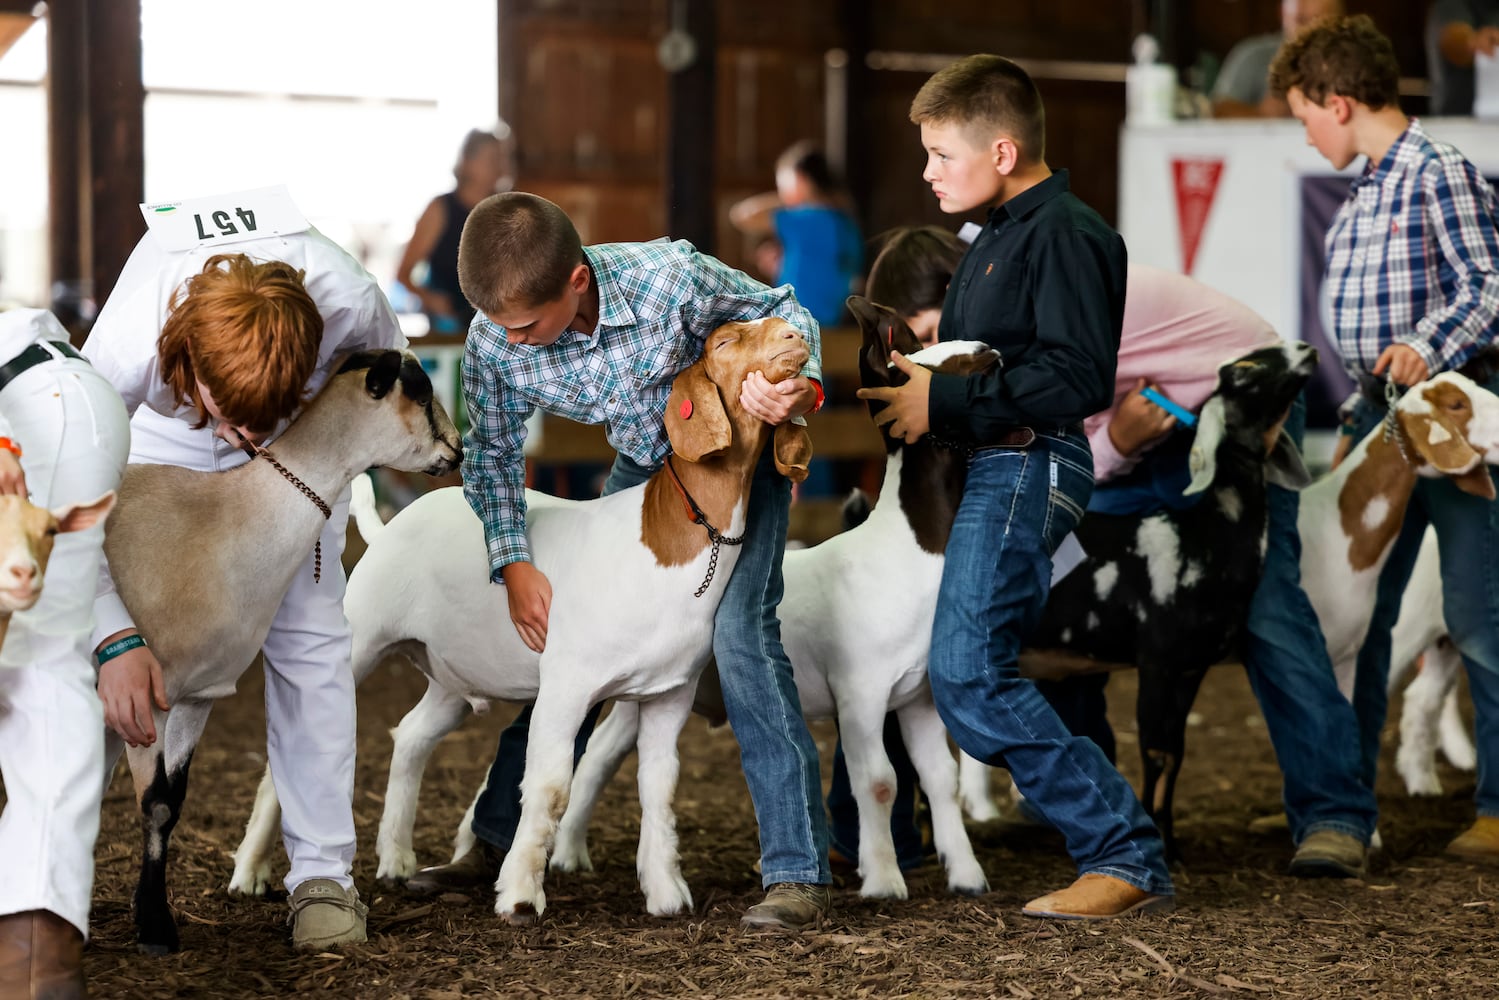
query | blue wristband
[119, 646]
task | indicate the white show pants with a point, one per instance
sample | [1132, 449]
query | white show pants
[309, 682]
[72, 426]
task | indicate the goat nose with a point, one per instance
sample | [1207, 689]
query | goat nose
[24, 573]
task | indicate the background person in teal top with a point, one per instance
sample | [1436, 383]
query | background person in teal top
[811, 215]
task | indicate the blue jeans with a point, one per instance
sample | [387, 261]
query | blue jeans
[776, 750]
[1467, 530]
[1311, 725]
[1016, 508]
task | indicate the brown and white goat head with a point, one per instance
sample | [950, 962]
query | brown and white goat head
[703, 409]
[27, 534]
[397, 389]
[1452, 426]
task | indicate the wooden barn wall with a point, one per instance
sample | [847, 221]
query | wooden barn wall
[582, 86]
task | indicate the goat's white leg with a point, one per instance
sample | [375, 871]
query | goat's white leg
[437, 714]
[1457, 744]
[871, 778]
[973, 789]
[610, 743]
[555, 719]
[252, 861]
[926, 741]
[464, 838]
[657, 861]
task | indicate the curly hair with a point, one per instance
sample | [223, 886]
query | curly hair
[249, 333]
[1343, 56]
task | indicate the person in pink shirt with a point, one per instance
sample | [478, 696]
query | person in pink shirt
[1176, 333]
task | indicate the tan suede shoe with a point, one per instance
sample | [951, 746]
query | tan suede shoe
[1097, 897]
[1479, 842]
[324, 914]
[1329, 854]
[789, 906]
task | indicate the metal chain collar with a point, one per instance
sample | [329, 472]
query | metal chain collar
[1392, 429]
[715, 536]
[307, 491]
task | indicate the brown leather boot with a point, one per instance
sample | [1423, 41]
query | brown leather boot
[41, 957]
[477, 869]
[1097, 897]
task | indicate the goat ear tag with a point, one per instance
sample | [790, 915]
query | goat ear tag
[685, 409]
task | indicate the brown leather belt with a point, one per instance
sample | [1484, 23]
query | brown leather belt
[1015, 437]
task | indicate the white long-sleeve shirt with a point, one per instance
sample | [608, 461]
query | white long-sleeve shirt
[19, 329]
[123, 347]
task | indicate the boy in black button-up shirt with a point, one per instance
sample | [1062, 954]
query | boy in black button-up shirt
[1044, 284]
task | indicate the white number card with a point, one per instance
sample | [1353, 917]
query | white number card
[225, 218]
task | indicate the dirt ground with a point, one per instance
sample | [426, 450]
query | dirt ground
[1419, 925]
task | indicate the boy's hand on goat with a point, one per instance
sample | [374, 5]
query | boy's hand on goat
[906, 405]
[12, 477]
[1404, 364]
[529, 593]
[129, 685]
[776, 402]
[1137, 421]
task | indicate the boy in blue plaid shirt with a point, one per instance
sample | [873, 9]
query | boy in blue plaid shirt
[597, 335]
[1413, 281]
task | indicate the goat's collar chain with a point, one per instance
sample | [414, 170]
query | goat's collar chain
[1392, 428]
[255, 451]
[697, 516]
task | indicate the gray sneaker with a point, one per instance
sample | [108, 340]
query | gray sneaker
[1329, 854]
[324, 914]
[789, 906]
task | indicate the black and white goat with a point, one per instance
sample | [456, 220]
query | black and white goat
[1169, 592]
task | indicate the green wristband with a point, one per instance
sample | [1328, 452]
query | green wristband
[119, 646]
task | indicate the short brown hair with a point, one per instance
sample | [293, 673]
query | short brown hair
[1346, 56]
[516, 252]
[988, 95]
[249, 332]
[914, 266]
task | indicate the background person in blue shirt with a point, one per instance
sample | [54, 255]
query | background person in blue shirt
[1043, 283]
[810, 213]
[597, 334]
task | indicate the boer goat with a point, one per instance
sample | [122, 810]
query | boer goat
[1446, 426]
[1169, 592]
[635, 584]
[856, 655]
[202, 561]
[27, 533]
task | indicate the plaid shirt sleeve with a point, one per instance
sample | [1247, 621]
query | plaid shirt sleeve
[725, 294]
[1460, 209]
[494, 466]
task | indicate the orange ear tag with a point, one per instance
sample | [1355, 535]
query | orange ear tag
[686, 409]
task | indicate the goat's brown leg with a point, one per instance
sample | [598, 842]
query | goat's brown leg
[1165, 699]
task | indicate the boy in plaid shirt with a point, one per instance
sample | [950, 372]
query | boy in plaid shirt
[1413, 281]
[597, 334]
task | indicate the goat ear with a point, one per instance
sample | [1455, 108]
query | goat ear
[1477, 481]
[383, 374]
[696, 422]
[1441, 444]
[883, 330]
[1285, 467]
[1203, 462]
[84, 515]
[793, 450]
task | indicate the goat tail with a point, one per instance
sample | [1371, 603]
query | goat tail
[363, 509]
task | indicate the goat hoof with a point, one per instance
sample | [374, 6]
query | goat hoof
[524, 915]
[156, 950]
[968, 890]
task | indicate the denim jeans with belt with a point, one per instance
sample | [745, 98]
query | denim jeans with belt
[1017, 506]
[1467, 530]
[759, 692]
[1311, 725]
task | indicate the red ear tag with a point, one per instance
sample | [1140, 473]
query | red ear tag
[686, 409]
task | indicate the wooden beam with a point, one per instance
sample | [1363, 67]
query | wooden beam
[117, 159]
[692, 129]
[67, 161]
